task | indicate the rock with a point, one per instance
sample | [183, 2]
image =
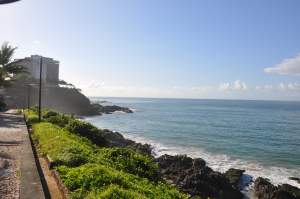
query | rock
[234, 177]
[194, 177]
[266, 190]
[111, 109]
[116, 139]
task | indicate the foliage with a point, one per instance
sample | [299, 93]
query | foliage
[90, 171]
[63, 147]
[130, 161]
[32, 119]
[49, 113]
[100, 179]
[8, 68]
[114, 192]
[87, 130]
[60, 120]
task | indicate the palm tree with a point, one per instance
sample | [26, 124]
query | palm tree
[8, 68]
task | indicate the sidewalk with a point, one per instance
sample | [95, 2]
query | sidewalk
[19, 177]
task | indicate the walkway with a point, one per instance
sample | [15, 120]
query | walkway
[19, 177]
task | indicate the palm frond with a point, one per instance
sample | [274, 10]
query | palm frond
[6, 53]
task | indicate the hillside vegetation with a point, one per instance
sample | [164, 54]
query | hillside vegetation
[91, 169]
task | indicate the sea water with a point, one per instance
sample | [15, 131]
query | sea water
[261, 137]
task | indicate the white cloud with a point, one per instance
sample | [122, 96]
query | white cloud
[239, 85]
[264, 87]
[236, 85]
[290, 66]
[292, 86]
[224, 86]
[228, 90]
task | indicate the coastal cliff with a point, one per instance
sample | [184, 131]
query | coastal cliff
[67, 100]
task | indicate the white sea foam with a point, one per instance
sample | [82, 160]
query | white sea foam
[221, 163]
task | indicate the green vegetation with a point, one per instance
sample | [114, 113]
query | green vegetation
[92, 170]
[9, 69]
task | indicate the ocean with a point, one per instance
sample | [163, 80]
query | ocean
[261, 137]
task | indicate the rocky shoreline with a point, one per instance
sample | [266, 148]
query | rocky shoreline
[194, 177]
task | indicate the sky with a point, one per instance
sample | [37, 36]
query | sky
[172, 48]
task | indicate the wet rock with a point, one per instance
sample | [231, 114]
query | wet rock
[116, 139]
[194, 177]
[266, 190]
[234, 177]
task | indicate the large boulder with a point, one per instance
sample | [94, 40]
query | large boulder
[194, 177]
[264, 189]
[234, 177]
[116, 139]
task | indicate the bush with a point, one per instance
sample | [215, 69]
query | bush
[95, 178]
[114, 192]
[131, 161]
[32, 119]
[92, 172]
[62, 147]
[72, 156]
[49, 113]
[60, 120]
[87, 130]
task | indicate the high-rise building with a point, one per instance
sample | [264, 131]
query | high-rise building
[50, 71]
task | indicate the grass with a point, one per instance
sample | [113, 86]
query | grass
[92, 171]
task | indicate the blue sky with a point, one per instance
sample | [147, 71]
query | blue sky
[171, 48]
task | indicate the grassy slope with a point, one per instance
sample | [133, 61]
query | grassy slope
[90, 171]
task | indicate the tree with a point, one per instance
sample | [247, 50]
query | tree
[9, 68]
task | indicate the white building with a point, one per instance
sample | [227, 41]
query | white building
[50, 70]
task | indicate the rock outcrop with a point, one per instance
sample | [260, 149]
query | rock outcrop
[234, 177]
[61, 99]
[115, 139]
[265, 190]
[110, 109]
[194, 177]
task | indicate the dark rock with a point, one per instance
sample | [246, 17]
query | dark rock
[111, 109]
[194, 177]
[265, 190]
[116, 139]
[234, 177]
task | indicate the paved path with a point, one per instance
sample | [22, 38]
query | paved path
[19, 177]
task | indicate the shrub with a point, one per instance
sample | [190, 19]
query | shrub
[101, 180]
[92, 172]
[87, 130]
[32, 119]
[49, 113]
[72, 156]
[62, 147]
[60, 120]
[114, 192]
[131, 161]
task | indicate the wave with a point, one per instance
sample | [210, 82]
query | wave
[222, 162]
